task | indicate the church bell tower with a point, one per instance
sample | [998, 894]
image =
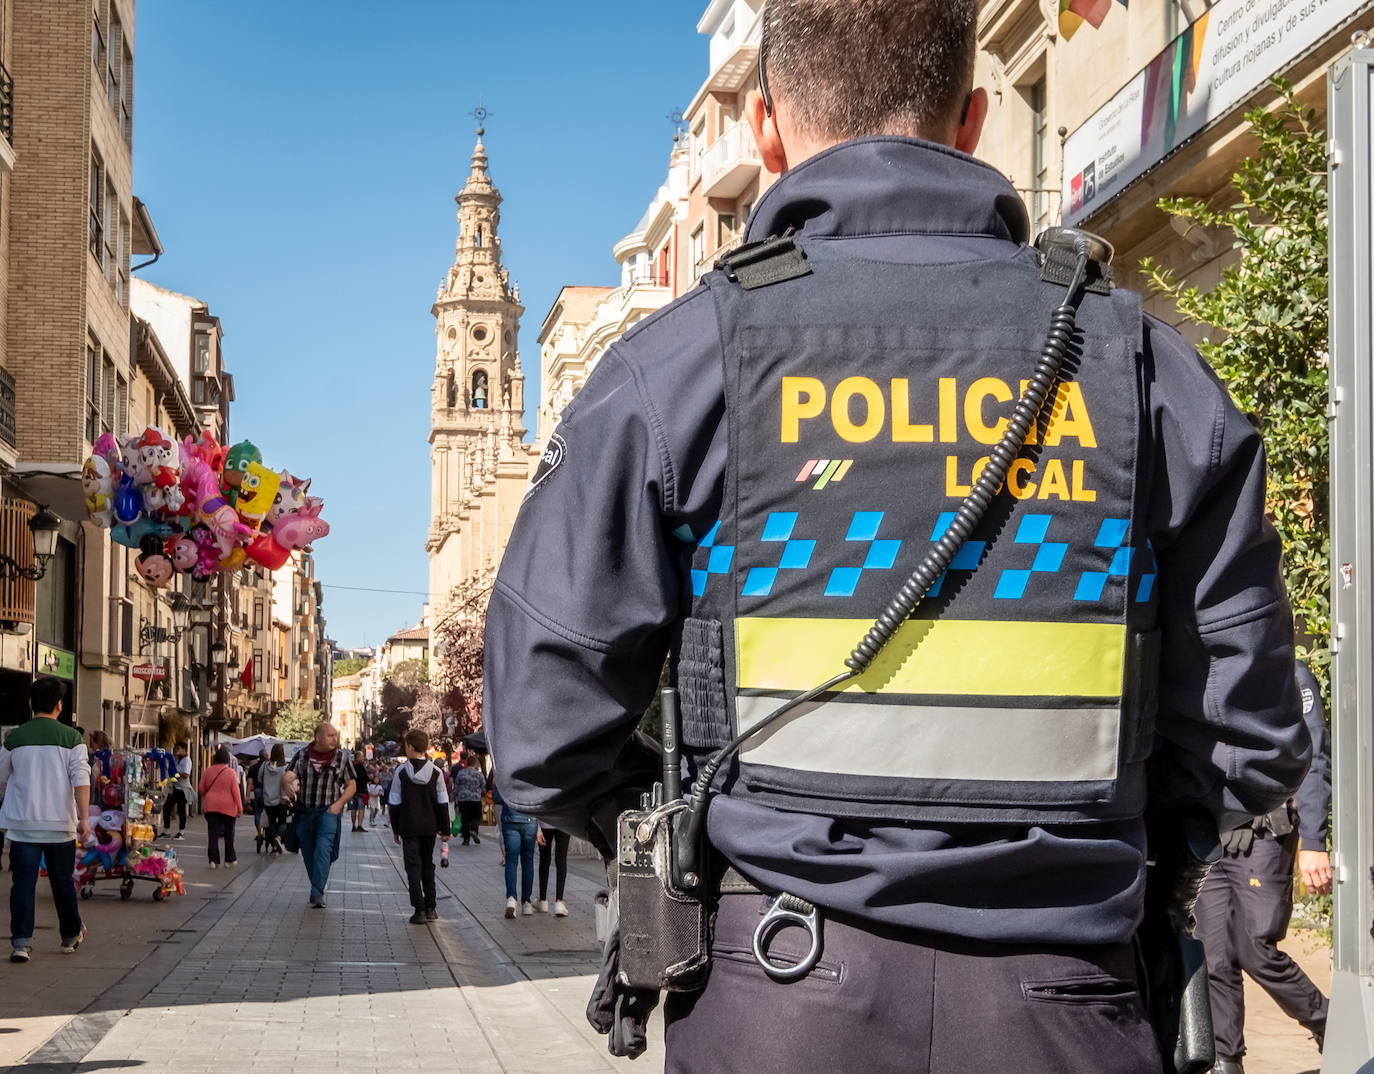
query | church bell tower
[478, 458]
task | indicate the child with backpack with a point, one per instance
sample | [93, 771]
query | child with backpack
[418, 805]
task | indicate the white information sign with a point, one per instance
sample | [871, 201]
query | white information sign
[1217, 62]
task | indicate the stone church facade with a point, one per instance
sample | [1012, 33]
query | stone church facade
[480, 465]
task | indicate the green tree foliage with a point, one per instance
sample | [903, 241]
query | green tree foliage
[1271, 309]
[349, 665]
[296, 721]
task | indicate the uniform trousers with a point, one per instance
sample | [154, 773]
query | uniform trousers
[1242, 913]
[885, 1000]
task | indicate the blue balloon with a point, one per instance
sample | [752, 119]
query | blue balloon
[128, 501]
[131, 534]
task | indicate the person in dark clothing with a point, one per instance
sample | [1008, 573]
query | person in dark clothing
[418, 804]
[748, 479]
[553, 844]
[1246, 903]
[469, 784]
[357, 807]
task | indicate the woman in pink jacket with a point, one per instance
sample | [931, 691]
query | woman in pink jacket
[219, 791]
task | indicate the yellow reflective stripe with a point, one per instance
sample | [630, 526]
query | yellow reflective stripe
[937, 656]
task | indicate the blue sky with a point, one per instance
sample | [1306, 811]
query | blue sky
[300, 160]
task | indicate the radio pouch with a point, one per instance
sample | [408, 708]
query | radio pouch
[663, 931]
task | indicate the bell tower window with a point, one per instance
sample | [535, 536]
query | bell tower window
[451, 392]
[479, 390]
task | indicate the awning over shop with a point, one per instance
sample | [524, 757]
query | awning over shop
[53, 484]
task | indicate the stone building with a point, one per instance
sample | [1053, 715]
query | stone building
[480, 464]
[1096, 118]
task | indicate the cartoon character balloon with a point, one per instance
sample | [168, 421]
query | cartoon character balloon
[97, 482]
[236, 463]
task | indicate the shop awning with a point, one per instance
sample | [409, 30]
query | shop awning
[53, 484]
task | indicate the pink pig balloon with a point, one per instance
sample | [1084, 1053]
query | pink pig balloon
[302, 526]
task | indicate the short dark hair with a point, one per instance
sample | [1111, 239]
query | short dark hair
[182, 745]
[278, 754]
[221, 756]
[852, 68]
[417, 740]
[45, 694]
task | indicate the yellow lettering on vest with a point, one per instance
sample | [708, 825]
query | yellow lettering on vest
[875, 409]
[949, 405]
[1070, 417]
[802, 398]
[952, 486]
[1081, 493]
[979, 391]
[1018, 479]
[1053, 483]
[903, 432]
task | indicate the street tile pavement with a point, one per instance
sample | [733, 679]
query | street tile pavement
[356, 988]
[241, 974]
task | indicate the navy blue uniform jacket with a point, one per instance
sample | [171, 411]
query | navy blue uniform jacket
[596, 575]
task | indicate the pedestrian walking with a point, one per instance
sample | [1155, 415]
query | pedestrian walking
[177, 792]
[45, 778]
[552, 844]
[253, 786]
[517, 855]
[418, 806]
[1247, 900]
[376, 800]
[223, 802]
[836, 482]
[357, 806]
[469, 784]
[274, 801]
[323, 785]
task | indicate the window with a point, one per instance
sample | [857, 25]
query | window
[198, 392]
[121, 412]
[126, 99]
[745, 212]
[725, 228]
[107, 399]
[479, 390]
[202, 364]
[92, 390]
[97, 41]
[122, 262]
[696, 250]
[1040, 168]
[257, 615]
[111, 259]
[97, 195]
[114, 57]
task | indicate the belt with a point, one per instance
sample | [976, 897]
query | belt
[783, 909]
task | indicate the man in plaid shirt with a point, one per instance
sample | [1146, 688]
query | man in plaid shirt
[323, 785]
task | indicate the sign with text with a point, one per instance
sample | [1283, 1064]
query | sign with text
[149, 672]
[1217, 62]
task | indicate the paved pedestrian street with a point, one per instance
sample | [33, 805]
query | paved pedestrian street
[241, 976]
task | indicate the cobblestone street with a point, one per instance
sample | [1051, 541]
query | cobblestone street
[240, 975]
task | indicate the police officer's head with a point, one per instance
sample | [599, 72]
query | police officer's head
[833, 70]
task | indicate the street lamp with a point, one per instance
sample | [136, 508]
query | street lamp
[44, 526]
[219, 652]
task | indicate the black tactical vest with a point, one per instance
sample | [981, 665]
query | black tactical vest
[862, 399]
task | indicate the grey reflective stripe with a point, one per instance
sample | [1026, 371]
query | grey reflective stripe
[861, 738]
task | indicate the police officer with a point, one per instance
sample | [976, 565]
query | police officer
[1247, 900]
[742, 484]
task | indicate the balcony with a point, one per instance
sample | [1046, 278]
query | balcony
[730, 164]
[6, 105]
[9, 433]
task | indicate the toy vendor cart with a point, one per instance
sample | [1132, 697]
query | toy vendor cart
[120, 848]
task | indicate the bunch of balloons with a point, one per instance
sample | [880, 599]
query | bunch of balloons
[196, 507]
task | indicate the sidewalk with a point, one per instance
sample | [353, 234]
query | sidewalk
[266, 983]
[240, 975]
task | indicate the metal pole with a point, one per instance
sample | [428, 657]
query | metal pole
[1350, 1027]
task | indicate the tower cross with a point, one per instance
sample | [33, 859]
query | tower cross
[481, 114]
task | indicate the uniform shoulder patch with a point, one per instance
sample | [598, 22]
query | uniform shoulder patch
[555, 451]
